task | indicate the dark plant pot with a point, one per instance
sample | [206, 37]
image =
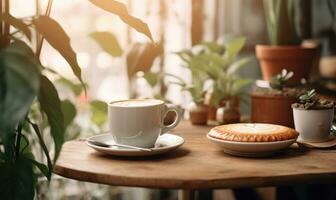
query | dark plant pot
[198, 113]
[298, 59]
[212, 116]
[272, 109]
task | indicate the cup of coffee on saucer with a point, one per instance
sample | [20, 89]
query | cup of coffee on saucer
[139, 122]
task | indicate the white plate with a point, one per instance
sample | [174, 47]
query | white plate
[251, 149]
[165, 143]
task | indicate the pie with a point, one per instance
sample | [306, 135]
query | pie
[253, 132]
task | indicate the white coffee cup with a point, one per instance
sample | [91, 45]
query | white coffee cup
[139, 122]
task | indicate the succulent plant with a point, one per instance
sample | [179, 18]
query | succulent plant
[279, 81]
[309, 101]
[308, 96]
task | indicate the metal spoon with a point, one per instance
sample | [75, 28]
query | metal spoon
[102, 144]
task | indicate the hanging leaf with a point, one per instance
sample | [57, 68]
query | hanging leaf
[17, 23]
[19, 84]
[120, 9]
[51, 106]
[108, 42]
[69, 112]
[59, 40]
[141, 57]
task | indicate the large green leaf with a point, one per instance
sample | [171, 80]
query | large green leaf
[58, 39]
[17, 179]
[141, 57]
[51, 106]
[108, 42]
[17, 23]
[19, 84]
[120, 9]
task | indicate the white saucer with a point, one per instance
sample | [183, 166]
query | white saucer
[327, 144]
[165, 143]
[251, 149]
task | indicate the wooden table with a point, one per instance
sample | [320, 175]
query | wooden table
[198, 164]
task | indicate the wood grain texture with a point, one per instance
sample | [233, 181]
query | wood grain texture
[199, 164]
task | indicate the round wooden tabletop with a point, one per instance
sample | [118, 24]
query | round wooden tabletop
[198, 164]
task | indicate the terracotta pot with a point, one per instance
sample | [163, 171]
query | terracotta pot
[228, 114]
[272, 109]
[212, 116]
[298, 59]
[198, 113]
[327, 67]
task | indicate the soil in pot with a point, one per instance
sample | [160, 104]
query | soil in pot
[298, 59]
[274, 107]
[198, 113]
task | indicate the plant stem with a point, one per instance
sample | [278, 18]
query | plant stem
[17, 140]
[6, 25]
[40, 42]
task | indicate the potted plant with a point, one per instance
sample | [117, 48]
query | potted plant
[285, 49]
[273, 104]
[27, 89]
[220, 63]
[313, 117]
[198, 111]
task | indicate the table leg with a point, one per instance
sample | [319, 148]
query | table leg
[186, 195]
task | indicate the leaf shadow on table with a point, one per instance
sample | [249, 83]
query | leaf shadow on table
[178, 153]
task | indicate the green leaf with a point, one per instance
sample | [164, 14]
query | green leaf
[69, 112]
[233, 47]
[141, 57]
[214, 47]
[44, 148]
[98, 112]
[17, 179]
[120, 9]
[233, 68]
[19, 84]
[152, 78]
[239, 85]
[59, 40]
[108, 42]
[76, 88]
[51, 106]
[18, 24]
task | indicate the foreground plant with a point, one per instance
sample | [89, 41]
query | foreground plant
[28, 95]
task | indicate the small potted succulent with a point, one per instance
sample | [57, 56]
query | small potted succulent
[313, 117]
[273, 104]
[285, 49]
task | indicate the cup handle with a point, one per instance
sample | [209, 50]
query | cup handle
[168, 108]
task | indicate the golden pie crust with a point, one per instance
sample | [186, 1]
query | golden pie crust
[253, 132]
